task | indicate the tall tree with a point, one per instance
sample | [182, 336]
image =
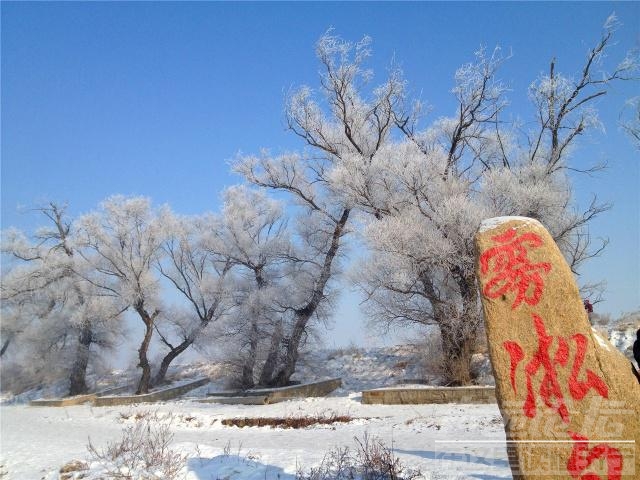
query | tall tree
[48, 288]
[440, 182]
[346, 129]
[200, 272]
[254, 237]
[122, 241]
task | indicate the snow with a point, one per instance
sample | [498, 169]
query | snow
[364, 369]
[623, 333]
[37, 441]
[491, 223]
[442, 441]
[601, 341]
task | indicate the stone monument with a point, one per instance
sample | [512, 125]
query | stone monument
[569, 399]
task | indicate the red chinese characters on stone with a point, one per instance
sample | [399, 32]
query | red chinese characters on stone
[582, 458]
[512, 270]
[550, 390]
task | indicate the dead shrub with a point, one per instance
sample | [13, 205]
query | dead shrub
[142, 452]
[351, 350]
[431, 357]
[372, 460]
[451, 371]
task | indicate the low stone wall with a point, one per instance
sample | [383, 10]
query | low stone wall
[64, 402]
[77, 399]
[158, 396]
[273, 395]
[315, 389]
[113, 391]
[400, 396]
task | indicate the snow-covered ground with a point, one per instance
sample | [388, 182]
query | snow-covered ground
[443, 441]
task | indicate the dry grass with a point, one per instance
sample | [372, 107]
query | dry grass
[451, 371]
[426, 421]
[288, 422]
[142, 452]
[73, 470]
[137, 416]
[371, 460]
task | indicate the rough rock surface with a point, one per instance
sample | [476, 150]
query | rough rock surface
[570, 402]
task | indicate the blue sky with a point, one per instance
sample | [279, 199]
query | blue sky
[155, 98]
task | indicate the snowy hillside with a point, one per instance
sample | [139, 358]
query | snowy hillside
[623, 333]
[362, 369]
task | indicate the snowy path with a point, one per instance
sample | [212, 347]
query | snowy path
[36, 441]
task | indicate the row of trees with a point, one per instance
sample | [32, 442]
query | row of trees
[244, 271]
[261, 273]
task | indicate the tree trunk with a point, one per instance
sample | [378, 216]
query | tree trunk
[186, 343]
[272, 358]
[250, 360]
[145, 379]
[170, 357]
[291, 357]
[459, 335]
[457, 347]
[175, 351]
[77, 384]
[303, 314]
[458, 329]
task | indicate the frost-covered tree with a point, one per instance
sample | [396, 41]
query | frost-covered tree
[631, 123]
[47, 302]
[341, 126]
[254, 239]
[437, 185]
[122, 241]
[200, 271]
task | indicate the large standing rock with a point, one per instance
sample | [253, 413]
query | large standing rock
[570, 402]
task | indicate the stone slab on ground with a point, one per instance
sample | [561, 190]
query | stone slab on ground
[569, 400]
[424, 395]
[157, 396]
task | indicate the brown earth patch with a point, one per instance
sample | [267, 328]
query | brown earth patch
[290, 422]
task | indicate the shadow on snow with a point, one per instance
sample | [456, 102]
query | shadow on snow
[231, 467]
[465, 457]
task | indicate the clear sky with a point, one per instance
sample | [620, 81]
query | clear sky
[154, 99]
